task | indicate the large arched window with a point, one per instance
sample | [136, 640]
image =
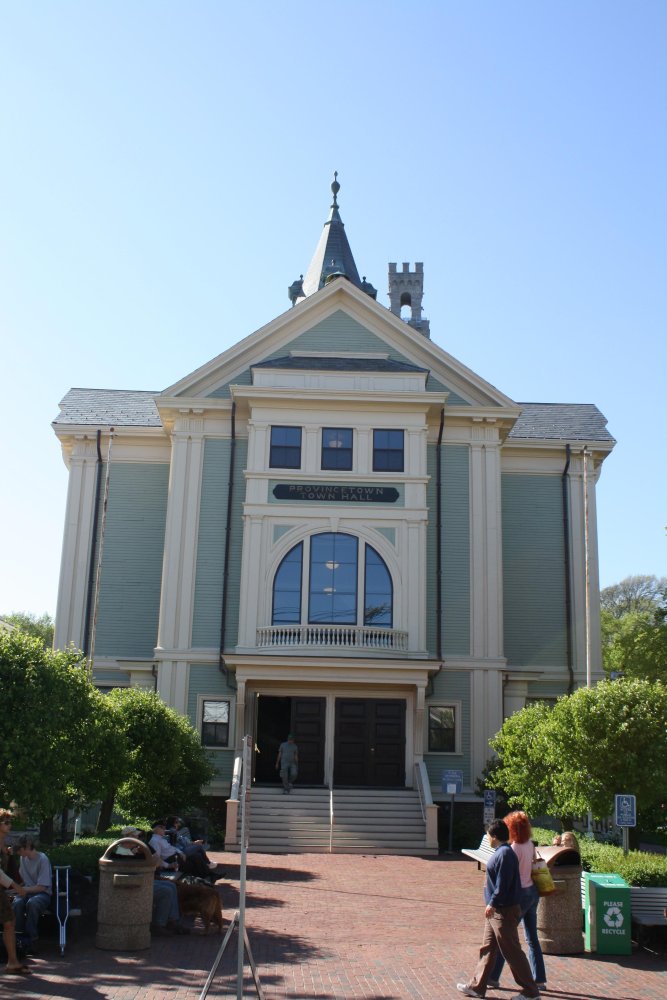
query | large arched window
[336, 570]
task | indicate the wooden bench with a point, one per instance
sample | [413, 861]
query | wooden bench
[482, 854]
[649, 905]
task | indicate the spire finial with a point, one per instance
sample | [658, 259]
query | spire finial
[335, 187]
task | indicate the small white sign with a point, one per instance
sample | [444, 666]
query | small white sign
[451, 789]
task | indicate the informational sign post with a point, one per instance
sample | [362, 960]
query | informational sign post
[452, 785]
[625, 815]
[489, 806]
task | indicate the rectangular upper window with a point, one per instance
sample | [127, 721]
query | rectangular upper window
[337, 448]
[442, 729]
[388, 451]
[215, 723]
[285, 448]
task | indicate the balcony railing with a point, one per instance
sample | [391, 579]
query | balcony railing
[331, 637]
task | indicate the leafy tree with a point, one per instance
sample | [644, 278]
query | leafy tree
[57, 744]
[633, 594]
[39, 626]
[574, 757]
[635, 644]
[167, 765]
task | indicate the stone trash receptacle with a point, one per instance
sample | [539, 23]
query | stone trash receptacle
[560, 914]
[126, 898]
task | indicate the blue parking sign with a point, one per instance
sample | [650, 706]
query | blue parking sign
[451, 782]
[625, 810]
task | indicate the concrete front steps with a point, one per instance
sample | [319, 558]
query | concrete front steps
[366, 821]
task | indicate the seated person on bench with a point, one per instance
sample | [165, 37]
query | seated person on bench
[166, 911]
[35, 874]
[197, 861]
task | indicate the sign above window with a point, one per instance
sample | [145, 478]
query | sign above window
[325, 492]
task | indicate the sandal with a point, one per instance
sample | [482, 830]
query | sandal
[22, 970]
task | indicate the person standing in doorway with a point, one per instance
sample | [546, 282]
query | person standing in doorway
[287, 763]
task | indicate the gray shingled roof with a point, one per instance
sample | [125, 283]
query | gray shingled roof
[109, 407]
[339, 364]
[561, 421]
[126, 408]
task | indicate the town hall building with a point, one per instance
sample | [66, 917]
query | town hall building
[335, 528]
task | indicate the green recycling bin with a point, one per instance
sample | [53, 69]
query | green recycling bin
[608, 920]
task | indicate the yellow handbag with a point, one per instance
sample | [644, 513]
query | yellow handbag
[542, 877]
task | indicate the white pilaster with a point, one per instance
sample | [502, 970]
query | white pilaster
[77, 538]
[254, 587]
[172, 684]
[578, 550]
[180, 546]
[240, 715]
[486, 716]
[486, 543]
[420, 736]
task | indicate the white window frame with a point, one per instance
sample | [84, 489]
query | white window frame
[456, 706]
[200, 719]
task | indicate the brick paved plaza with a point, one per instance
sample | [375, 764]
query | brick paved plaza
[331, 928]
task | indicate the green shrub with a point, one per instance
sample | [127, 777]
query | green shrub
[637, 867]
[83, 855]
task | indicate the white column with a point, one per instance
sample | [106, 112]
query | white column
[486, 712]
[77, 538]
[240, 715]
[172, 685]
[253, 594]
[486, 543]
[578, 554]
[180, 546]
[419, 737]
[576, 491]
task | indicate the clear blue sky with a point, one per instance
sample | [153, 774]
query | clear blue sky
[165, 176]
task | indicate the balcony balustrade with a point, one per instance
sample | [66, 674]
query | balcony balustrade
[332, 637]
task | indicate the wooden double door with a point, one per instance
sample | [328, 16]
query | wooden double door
[368, 740]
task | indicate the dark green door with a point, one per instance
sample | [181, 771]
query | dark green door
[369, 746]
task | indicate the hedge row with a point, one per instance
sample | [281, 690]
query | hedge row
[637, 868]
[83, 854]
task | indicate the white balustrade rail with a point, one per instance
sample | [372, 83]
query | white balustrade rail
[332, 637]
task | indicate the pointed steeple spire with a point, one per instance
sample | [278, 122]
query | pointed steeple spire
[333, 257]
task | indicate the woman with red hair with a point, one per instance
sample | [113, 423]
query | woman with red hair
[522, 845]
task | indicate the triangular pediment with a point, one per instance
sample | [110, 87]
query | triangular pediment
[343, 320]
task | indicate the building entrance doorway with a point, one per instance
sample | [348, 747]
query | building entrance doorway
[278, 716]
[369, 746]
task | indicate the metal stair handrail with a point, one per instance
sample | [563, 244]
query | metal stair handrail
[423, 787]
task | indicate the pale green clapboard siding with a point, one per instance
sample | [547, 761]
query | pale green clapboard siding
[454, 686]
[455, 551]
[340, 332]
[129, 604]
[533, 570]
[211, 544]
[206, 679]
[547, 689]
[111, 678]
